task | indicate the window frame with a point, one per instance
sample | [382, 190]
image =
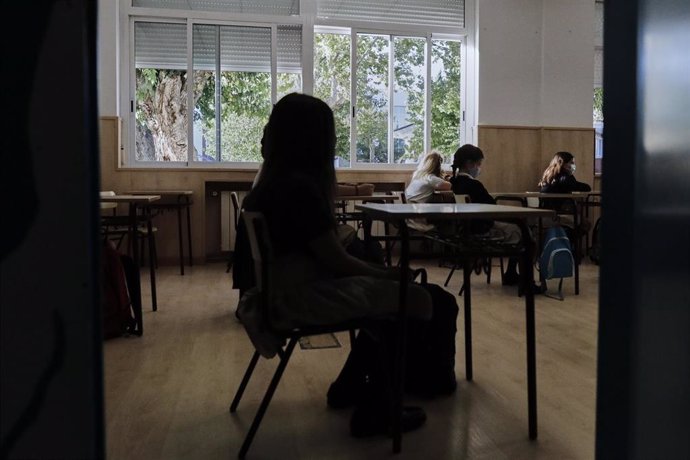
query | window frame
[310, 25]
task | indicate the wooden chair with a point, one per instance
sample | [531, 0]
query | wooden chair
[114, 227]
[483, 264]
[262, 255]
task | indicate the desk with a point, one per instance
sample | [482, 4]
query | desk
[135, 203]
[343, 216]
[578, 198]
[398, 213]
[176, 200]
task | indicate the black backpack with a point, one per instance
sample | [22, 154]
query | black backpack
[430, 363]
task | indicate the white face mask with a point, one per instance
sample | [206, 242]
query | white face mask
[475, 172]
[572, 168]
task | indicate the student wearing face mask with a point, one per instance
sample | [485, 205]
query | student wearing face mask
[559, 176]
[467, 166]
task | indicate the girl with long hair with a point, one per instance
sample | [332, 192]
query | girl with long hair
[427, 179]
[315, 281]
[559, 176]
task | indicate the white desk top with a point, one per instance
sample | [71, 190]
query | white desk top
[450, 211]
[573, 195]
[161, 192]
[130, 198]
[374, 197]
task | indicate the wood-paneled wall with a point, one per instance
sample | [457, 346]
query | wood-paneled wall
[515, 159]
[516, 156]
[113, 177]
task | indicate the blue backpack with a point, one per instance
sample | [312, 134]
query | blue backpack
[556, 260]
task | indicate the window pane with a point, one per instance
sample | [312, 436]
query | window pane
[598, 115]
[289, 57]
[332, 85]
[205, 40]
[161, 92]
[445, 96]
[231, 108]
[408, 99]
[372, 98]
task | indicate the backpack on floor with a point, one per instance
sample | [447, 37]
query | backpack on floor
[121, 295]
[430, 363]
[556, 259]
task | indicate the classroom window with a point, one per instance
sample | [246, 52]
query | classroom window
[202, 88]
[230, 91]
[598, 105]
[385, 117]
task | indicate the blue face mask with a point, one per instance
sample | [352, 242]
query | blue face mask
[475, 172]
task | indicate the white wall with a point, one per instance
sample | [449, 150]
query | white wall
[108, 62]
[536, 62]
[568, 63]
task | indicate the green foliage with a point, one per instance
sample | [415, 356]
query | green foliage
[245, 101]
[445, 97]
[598, 112]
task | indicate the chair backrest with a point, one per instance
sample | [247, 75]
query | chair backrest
[462, 198]
[235, 207]
[403, 198]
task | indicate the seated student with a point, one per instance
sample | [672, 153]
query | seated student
[317, 282]
[559, 177]
[467, 165]
[425, 181]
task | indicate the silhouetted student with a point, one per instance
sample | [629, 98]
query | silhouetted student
[315, 280]
[467, 165]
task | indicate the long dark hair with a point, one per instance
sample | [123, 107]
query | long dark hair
[555, 168]
[299, 139]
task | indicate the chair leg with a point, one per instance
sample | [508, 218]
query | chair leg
[450, 275]
[267, 398]
[245, 380]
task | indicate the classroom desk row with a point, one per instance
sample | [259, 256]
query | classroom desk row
[143, 205]
[581, 201]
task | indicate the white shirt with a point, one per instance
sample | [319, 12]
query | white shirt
[420, 190]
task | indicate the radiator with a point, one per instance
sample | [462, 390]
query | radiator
[227, 221]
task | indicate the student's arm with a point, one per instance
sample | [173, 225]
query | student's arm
[443, 185]
[572, 185]
[330, 253]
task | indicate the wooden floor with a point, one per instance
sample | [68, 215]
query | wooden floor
[167, 393]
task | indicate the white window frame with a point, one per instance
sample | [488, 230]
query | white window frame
[310, 24]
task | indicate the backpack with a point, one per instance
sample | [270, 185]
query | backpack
[556, 259]
[595, 250]
[430, 363]
[121, 294]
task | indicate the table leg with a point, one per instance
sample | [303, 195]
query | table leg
[179, 235]
[467, 297]
[152, 252]
[528, 281]
[399, 367]
[189, 230]
[133, 234]
[578, 247]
